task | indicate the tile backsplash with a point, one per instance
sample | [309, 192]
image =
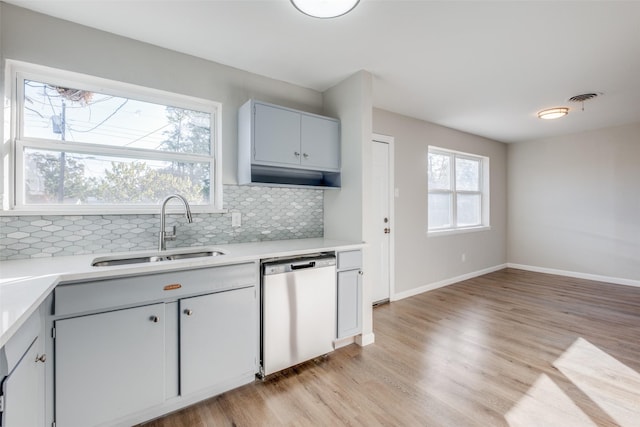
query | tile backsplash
[268, 213]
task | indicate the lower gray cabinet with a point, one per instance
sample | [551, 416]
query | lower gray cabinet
[108, 365]
[349, 293]
[218, 339]
[23, 391]
[22, 376]
[132, 348]
[349, 303]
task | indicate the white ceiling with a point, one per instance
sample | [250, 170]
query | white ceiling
[484, 67]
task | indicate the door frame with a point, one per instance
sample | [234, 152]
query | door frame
[390, 140]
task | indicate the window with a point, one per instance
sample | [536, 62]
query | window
[458, 186]
[85, 144]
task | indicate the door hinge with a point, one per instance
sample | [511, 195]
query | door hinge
[53, 424]
[53, 333]
[1, 404]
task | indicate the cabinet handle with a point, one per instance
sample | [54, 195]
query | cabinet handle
[360, 272]
[295, 153]
[305, 155]
[42, 358]
[387, 230]
[188, 312]
[154, 319]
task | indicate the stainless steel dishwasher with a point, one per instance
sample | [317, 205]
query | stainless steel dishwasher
[298, 310]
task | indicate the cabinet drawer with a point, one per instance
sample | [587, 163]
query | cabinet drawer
[127, 291]
[349, 259]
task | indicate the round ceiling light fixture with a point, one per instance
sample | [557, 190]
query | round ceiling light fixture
[325, 8]
[553, 113]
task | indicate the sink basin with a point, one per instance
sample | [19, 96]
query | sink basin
[155, 257]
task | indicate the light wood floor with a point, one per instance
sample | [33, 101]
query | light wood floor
[511, 348]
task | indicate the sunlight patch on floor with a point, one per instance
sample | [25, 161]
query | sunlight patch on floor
[607, 382]
[610, 384]
[545, 404]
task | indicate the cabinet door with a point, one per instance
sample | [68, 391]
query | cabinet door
[108, 365]
[349, 303]
[218, 339]
[320, 143]
[276, 136]
[23, 391]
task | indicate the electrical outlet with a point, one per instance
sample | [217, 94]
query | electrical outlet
[236, 219]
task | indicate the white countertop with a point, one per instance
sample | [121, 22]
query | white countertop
[25, 284]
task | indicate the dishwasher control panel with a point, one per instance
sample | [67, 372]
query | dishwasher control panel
[287, 265]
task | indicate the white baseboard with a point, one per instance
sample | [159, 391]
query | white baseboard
[343, 342]
[577, 275]
[365, 339]
[431, 286]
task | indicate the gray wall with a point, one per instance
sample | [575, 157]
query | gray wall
[423, 261]
[345, 215]
[574, 203]
[350, 100]
[40, 39]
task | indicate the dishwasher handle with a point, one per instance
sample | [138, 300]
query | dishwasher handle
[302, 265]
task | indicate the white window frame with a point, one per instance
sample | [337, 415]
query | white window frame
[12, 168]
[484, 193]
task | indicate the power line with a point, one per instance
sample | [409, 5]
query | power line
[107, 118]
[144, 136]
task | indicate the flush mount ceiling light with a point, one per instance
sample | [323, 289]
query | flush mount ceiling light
[325, 8]
[553, 113]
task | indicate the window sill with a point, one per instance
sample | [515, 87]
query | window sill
[451, 231]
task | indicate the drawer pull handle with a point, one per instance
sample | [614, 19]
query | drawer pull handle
[360, 272]
[172, 286]
[42, 358]
[188, 312]
[154, 319]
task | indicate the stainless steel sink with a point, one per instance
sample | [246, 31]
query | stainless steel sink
[155, 257]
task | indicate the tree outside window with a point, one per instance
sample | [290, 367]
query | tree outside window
[76, 145]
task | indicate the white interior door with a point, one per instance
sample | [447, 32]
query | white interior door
[381, 243]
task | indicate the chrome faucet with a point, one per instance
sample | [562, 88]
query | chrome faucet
[164, 236]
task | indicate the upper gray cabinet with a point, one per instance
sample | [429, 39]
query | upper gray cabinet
[276, 135]
[285, 147]
[320, 142]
